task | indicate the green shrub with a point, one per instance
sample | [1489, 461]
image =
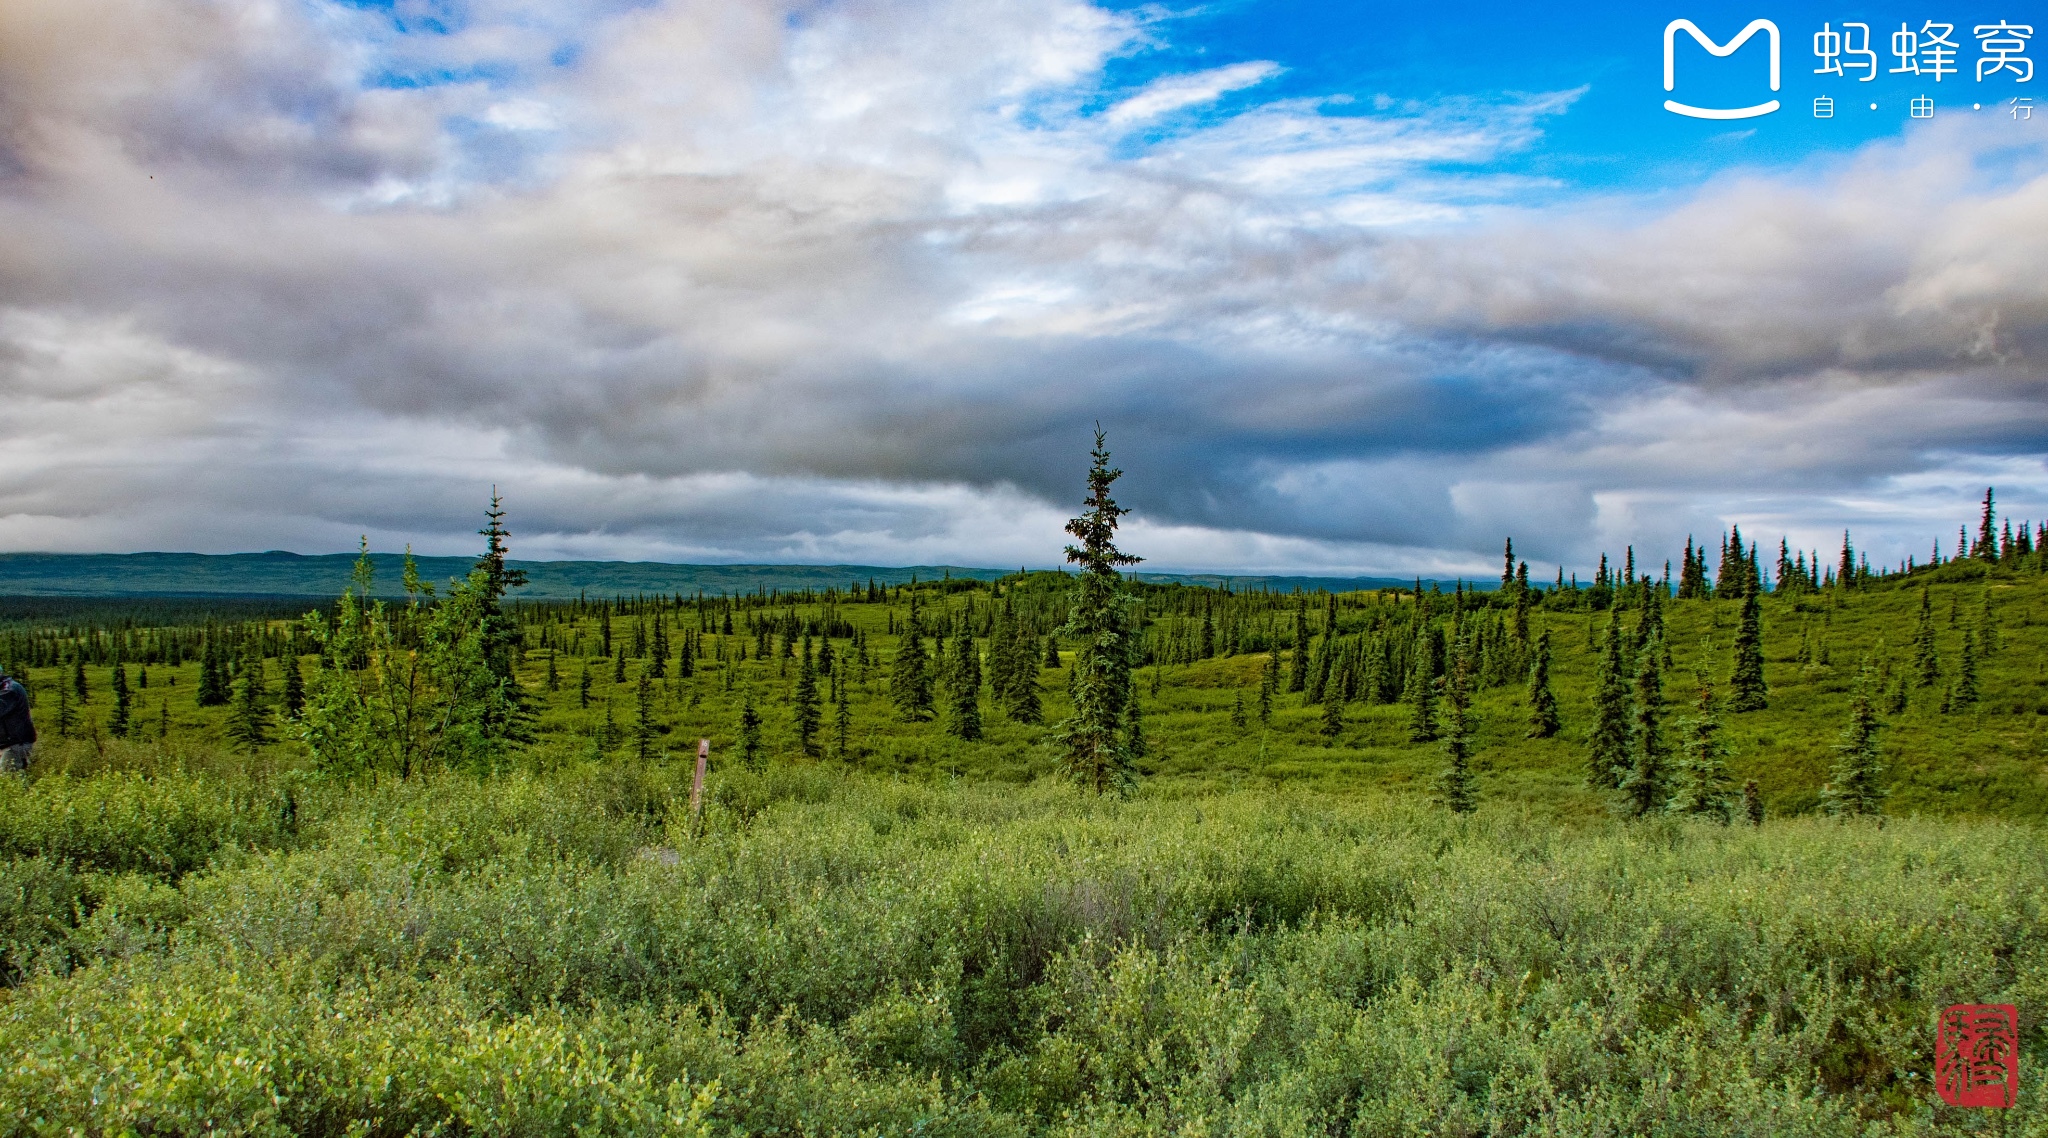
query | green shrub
[530, 954]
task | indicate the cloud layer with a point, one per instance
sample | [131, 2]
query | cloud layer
[852, 282]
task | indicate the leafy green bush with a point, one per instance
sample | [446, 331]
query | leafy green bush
[831, 954]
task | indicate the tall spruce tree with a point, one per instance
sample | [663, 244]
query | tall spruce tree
[1456, 787]
[118, 721]
[1608, 756]
[910, 680]
[1703, 786]
[1003, 657]
[965, 680]
[498, 637]
[1926, 657]
[1297, 674]
[249, 722]
[842, 721]
[1853, 787]
[1421, 696]
[645, 729]
[1746, 687]
[750, 734]
[1021, 698]
[1096, 738]
[1646, 787]
[1966, 672]
[294, 686]
[67, 716]
[1269, 681]
[1987, 532]
[1543, 719]
[803, 706]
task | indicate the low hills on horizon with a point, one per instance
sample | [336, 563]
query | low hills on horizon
[278, 573]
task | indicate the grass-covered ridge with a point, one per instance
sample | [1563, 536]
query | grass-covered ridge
[831, 953]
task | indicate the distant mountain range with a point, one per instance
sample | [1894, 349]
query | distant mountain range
[281, 574]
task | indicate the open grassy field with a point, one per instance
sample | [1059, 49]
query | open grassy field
[1989, 757]
[920, 934]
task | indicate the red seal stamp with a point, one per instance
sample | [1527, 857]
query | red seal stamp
[1977, 1055]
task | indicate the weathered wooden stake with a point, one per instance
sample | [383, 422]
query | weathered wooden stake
[697, 783]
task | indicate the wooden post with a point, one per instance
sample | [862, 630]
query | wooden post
[697, 783]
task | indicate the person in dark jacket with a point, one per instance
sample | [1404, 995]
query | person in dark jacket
[17, 730]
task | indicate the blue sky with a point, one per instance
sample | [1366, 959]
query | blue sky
[1354, 287]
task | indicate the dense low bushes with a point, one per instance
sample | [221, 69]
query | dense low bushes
[533, 954]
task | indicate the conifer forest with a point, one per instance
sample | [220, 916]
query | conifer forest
[1691, 846]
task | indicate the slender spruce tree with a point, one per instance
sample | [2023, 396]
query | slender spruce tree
[1608, 756]
[1269, 681]
[1926, 658]
[750, 734]
[67, 716]
[1003, 657]
[1456, 787]
[1421, 696]
[499, 640]
[1746, 687]
[249, 722]
[1096, 738]
[964, 678]
[1543, 719]
[645, 729]
[1753, 803]
[119, 721]
[842, 722]
[1703, 786]
[1022, 701]
[910, 680]
[1854, 787]
[1646, 787]
[1966, 672]
[1987, 531]
[805, 717]
[1297, 673]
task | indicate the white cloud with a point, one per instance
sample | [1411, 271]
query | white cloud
[850, 282]
[1178, 92]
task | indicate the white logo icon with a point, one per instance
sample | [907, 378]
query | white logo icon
[1718, 51]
